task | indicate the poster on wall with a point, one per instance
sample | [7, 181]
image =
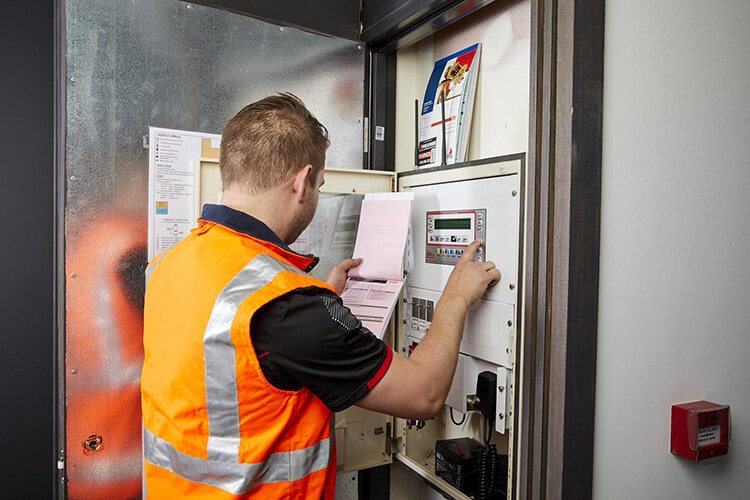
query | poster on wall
[450, 90]
[171, 183]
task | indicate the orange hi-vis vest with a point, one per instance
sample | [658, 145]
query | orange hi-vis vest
[214, 427]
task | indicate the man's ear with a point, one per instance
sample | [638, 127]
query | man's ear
[300, 182]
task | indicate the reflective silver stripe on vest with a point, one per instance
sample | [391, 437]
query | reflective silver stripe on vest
[222, 401]
[150, 269]
[236, 478]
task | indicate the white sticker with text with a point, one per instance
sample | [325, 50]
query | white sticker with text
[709, 435]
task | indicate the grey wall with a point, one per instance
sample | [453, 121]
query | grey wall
[674, 304]
[26, 248]
[172, 64]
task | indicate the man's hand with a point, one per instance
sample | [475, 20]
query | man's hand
[337, 276]
[430, 367]
[470, 279]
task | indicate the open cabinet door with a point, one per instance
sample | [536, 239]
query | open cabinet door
[364, 438]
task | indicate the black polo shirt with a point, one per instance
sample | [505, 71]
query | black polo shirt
[307, 337]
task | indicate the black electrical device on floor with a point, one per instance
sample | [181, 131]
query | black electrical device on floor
[469, 466]
[457, 462]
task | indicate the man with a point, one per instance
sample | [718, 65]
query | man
[246, 356]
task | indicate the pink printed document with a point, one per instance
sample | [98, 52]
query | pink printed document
[373, 288]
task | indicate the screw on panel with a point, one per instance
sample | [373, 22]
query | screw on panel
[73, 371]
[73, 275]
[501, 415]
[73, 79]
[72, 177]
[189, 7]
[514, 192]
[512, 286]
[404, 321]
[501, 388]
[510, 323]
[281, 28]
[359, 47]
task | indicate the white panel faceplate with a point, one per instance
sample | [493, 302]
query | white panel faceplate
[486, 331]
[501, 240]
[490, 321]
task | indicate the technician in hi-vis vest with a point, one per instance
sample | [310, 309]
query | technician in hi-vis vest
[246, 356]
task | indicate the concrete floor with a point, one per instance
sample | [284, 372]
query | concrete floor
[346, 486]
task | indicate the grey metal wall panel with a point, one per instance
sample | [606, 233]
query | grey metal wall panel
[169, 64]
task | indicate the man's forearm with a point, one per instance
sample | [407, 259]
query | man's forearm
[437, 353]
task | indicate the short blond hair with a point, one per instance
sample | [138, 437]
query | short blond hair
[268, 141]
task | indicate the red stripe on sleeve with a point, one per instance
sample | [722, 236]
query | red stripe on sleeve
[381, 371]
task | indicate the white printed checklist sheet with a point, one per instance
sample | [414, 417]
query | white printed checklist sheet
[373, 287]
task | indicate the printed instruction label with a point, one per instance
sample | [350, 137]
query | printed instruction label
[709, 435]
[171, 178]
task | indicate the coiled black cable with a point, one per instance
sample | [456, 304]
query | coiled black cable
[487, 465]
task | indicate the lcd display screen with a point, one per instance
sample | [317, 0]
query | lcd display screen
[453, 223]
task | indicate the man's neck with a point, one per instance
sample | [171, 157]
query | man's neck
[264, 206]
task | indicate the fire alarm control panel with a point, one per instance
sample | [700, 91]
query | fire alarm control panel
[449, 232]
[447, 216]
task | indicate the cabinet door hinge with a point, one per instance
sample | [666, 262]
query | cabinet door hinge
[366, 135]
[392, 443]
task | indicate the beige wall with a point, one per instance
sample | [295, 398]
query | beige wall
[500, 124]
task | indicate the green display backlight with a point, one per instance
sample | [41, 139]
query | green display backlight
[453, 223]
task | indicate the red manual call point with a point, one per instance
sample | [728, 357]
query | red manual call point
[700, 431]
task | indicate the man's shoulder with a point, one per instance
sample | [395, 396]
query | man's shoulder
[304, 304]
[307, 293]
